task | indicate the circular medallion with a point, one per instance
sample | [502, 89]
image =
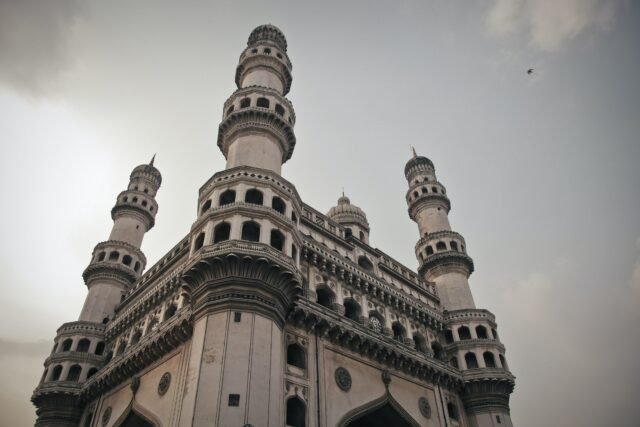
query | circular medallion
[343, 379]
[165, 382]
[106, 415]
[425, 408]
[375, 324]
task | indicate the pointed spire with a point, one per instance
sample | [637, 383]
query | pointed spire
[152, 159]
[414, 152]
[343, 191]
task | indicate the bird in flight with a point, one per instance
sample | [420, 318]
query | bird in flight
[530, 71]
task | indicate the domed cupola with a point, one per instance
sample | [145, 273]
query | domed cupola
[269, 33]
[351, 217]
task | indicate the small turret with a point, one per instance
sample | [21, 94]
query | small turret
[351, 217]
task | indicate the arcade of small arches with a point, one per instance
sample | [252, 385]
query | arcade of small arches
[252, 196]
[471, 361]
[442, 246]
[426, 190]
[135, 200]
[264, 102]
[463, 333]
[265, 51]
[69, 372]
[83, 345]
[116, 257]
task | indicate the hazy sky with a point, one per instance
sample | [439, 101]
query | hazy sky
[541, 169]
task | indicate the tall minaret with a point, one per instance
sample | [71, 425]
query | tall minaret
[441, 252]
[80, 347]
[118, 262]
[257, 126]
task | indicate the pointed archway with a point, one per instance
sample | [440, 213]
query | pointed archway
[133, 418]
[382, 412]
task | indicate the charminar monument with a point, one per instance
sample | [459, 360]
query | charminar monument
[269, 312]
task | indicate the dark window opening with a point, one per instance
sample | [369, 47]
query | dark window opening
[452, 410]
[294, 217]
[352, 310]
[364, 262]
[448, 336]
[429, 250]
[464, 333]
[205, 207]
[498, 420]
[237, 316]
[361, 236]
[135, 338]
[471, 360]
[55, 374]
[137, 267]
[277, 239]
[113, 256]
[230, 110]
[126, 260]
[267, 51]
[454, 246]
[99, 348]
[441, 246]
[251, 231]
[91, 372]
[66, 344]
[424, 190]
[416, 194]
[434, 189]
[398, 331]
[324, 297]
[121, 347]
[199, 242]
[347, 233]
[278, 205]
[438, 352]
[294, 252]
[245, 103]
[227, 197]
[74, 373]
[83, 345]
[101, 256]
[481, 332]
[234, 400]
[144, 203]
[135, 199]
[494, 333]
[253, 196]
[105, 320]
[222, 232]
[489, 359]
[263, 102]
[296, 356]
[454, 362]
[296, 413]
[420, 343]
[169, 312]
[279, 109]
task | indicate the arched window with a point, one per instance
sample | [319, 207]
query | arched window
[398, 331]
[135, 338]
[254, 51]
[279, 109]
[199, 243]
[325, 297]
[221, 232]
[253, 196]
[420, 343]
[452, 410]
[99, 348]
[454, 362]
[263, 102]
[101, 256]
[227, 197]
[91, 372]
[108, 357]
[277, 240]
[294, 252]
[251, 231]
[230, 110]
[83, 345]
[429, 250]
[113, 256]
[137, 267]
[105, 320]
[169, 312]
[362, 236]
[471, 360]
[267, 51]
[434, 189]
[503, 361]
[454, 246]
[416, 194]
[121, 347]
[424, 190]
[294, 217]
[347, 233]
[481, 332]
[126, 260]
[144, 203]
[441, 246]
[55, 374]
[364, 262]
[278, 205]
[489, 359]
[296, 413]
[74, 373]
[205, 207]
[438, 352]
[66, 344]
[296, 356]
[245, 103]
[352, 309]
[448, 336]
[464, 333]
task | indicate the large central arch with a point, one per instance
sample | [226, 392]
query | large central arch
[382, 412]
[135, 420]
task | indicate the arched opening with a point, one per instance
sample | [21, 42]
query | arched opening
[278, 205]
[199, 243]
[74, 373]
[424, 190]
[294, 217]
[434, 189]
[448, 336]
[169, 312]
[83, 345]
[101, 256]
[452, 410]
[279, 110]
[503, 361]
[416, 194]
[205, 207]
[230, 110]
[429, 250]
[99, 348]
[91, 372]
[253, 196]
[227, 197]
[245, 103]
[251, 231]
[121, 347]
[137, 267]
[113, 256]
[135, 420]
[126, 260]
[454, 362]
[267, 51]
[325, 297]
[438, 351]
[66, 344]
[348, 232]
[221, 232]
[471, 360]
[464, 333]
[263, 102]
[364, 262]
[55, 374]
[481, 332]
[362, 235]
[489, 359]
[420, 343]
[294, 252]
[399, 333]
[454, 246]
[135, 338]
[144, 203]
[352, 309]
[277, 239]
[296, 413]
[296, 356]
[441, 246]
[385, 414]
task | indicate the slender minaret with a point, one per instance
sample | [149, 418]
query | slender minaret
[80, 347]
[442, 253]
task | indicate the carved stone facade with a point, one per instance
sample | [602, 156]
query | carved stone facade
[270, 313]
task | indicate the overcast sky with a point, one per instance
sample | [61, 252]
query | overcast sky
[542, 169]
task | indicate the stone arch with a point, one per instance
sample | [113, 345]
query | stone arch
[385, 411]
[137, 416]
[325, 296]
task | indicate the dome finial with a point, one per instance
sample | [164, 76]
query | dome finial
[414, 151]
[152, 159]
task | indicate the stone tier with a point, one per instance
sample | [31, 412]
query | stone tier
[137, 204]
[265, 56]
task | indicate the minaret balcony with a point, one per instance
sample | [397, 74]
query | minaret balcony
[426, 197]
[261, 97]
[138, 204]
[265, 57]
[448, 260]
[123, 258]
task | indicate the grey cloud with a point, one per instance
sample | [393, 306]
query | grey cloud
[37, 349]
[35, 43]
